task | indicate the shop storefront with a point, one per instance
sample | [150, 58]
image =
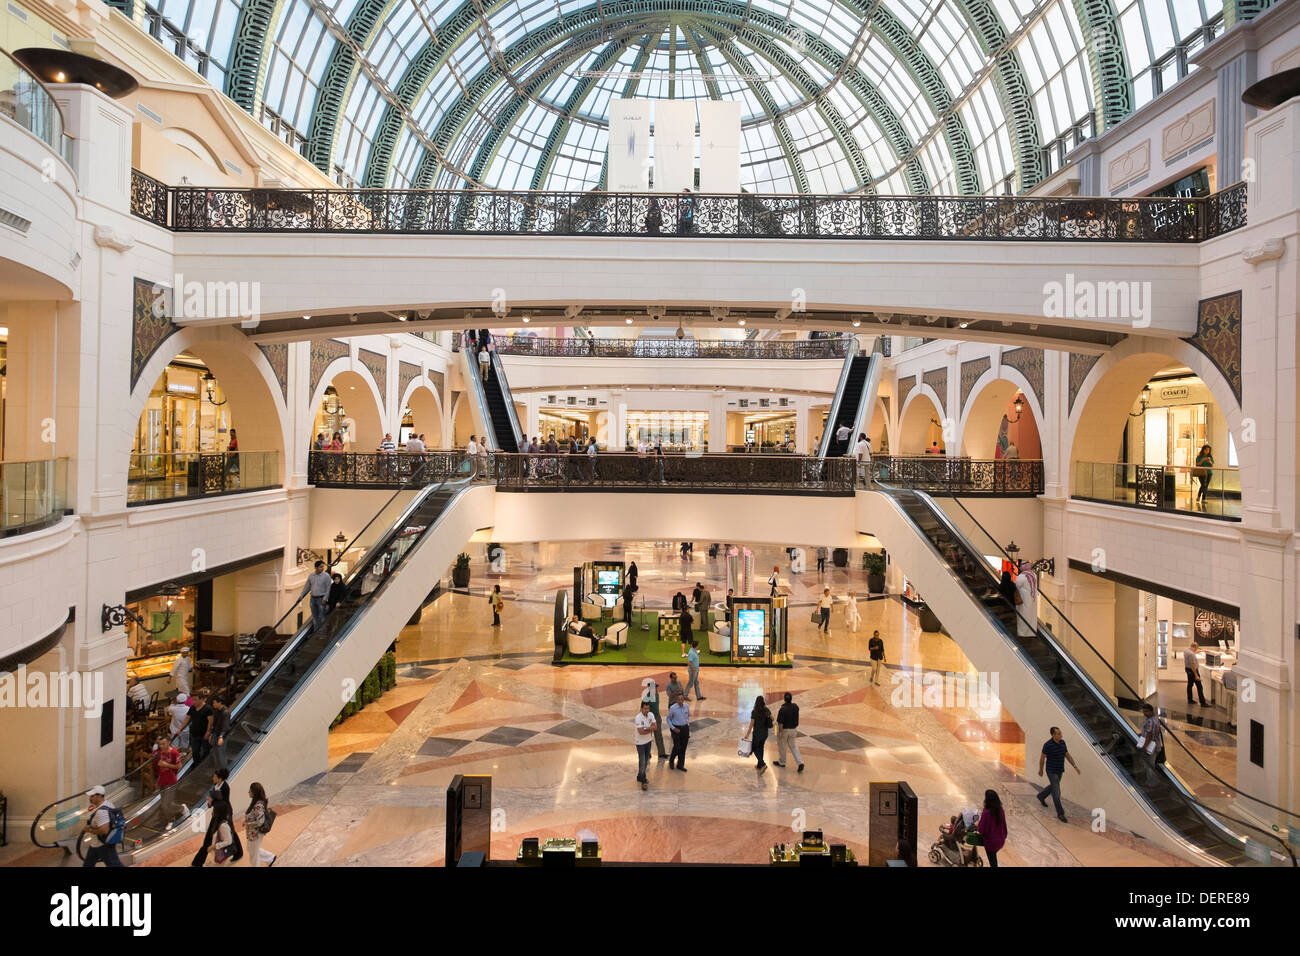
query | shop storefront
[332, 417]
[1170, 423]
[676, 430]
[563, 423]
[767, 432]
[187, 414]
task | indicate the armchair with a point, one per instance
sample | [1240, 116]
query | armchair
[580, 645]
[616, 634]
[719, 642]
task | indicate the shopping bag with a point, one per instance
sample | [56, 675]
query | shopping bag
[816, 616]
[745, 748]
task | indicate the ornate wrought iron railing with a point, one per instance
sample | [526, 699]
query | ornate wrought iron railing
[388, 469]
[672, 348]
[1212, 492]
[941, 475]
[150, 199]
[734, 216]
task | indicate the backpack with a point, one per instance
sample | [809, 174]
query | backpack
[268, 820]
[116, 826]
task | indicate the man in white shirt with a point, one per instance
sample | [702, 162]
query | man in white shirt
[99, 824]
[318, 586]
[842, 433]
[178, 731]
[1013, 453]
[645, 724]
[643, 460]
[414, 445]
[824, 610]
[388, 448]
[484, 361]
[137, 693]
[862, 452]
[471, 451]
[1193, 669]
[181, 671]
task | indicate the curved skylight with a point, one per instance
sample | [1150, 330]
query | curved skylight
[888, 96]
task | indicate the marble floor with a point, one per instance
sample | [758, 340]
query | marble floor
[473, 699]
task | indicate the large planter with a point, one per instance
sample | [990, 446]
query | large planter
[876, 583]
[929, 622]
[841, 557]
[460, 577]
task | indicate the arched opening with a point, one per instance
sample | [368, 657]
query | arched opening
[1000, 423]
[422, 416]
[349, 408]
[209, 424]
[1154, 434]
[921, 428]
[462, 421]
[879, 430]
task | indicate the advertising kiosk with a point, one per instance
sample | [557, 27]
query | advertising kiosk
[759, 629]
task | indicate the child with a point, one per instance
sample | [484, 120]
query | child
[851, 615]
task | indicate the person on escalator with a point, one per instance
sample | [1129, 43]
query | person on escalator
[218, 727]
[842, 434]
[484, 361]
[200, 714]
[337, 592]
[1026, 602]
[1007, 587]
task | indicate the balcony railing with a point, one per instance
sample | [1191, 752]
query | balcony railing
[733, 216]
[149, 198]
[1210, 492]
[672, 348]
[942, 475]
[33, 494]
[26, 101]
[177, 475]
[346, 469]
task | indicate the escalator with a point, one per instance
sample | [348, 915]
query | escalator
[857, 387]
[376, 596]
[1074, 680]
[493, 396]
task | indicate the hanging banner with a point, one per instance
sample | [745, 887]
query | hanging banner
[720, 146]
[674, 145]
[629, 146]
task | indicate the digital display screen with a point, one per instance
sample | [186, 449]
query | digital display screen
[751, 631]
[607, 580]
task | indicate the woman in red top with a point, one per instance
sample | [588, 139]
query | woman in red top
[992, 825]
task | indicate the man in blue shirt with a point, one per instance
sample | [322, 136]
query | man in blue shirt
[679, 722]
[693, 670]
[1054, 756]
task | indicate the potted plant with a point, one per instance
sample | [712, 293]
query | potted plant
[460, 571]
[873, 562]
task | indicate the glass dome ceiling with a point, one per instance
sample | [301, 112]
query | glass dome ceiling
[888, 96]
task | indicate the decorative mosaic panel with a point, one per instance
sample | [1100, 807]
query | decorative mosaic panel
[439, 382]
[1218, 336]
[378, 365]
[937, 379]
[1029, 362]
[277, 356]
[323, 352]
[148, 331]
[405, 372]
[970, 374]
[884, 400]
[1080, 366]
[905, 386]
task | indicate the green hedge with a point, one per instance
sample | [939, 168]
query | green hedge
[381, 678]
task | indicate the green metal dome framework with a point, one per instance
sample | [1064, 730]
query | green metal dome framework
[888, 96]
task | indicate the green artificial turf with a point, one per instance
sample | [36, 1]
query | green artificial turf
[644, 647]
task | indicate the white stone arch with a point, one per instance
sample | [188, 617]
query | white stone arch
[257, 408]
[910, 442]
[881, 426]
[414, 389]
[342, 366]
[985, 386]
[1113, 385]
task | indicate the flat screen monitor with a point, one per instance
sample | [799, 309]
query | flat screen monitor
[607, 581]
[751, 631]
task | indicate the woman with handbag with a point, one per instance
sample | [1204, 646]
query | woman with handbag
[1152, 741]
[223, 845]
[257, 824]
[1202, 471]
[760, 721]
[498, 605]
[992, 826]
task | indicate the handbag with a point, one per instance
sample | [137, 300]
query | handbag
[268, 820]
[816, 615]
[974, 838]
[221, 855]
[745, 748]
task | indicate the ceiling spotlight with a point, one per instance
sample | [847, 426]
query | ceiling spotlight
[963, 325]
[402, 317]
[352, 317]
[527, 319]
[628, 320]
[740, 321]
[306, 318]
[60, 77]
[856, 323]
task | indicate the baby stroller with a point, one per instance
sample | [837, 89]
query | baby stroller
[951, 848]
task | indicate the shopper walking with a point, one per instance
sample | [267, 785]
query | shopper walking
[223, 843]
[760, 722]
[218, 727]
[232, 459]
[787, 724]
[632, 574]
[318, 586]
[257, 823]
[102, 817]
[685, 624]
[182, 670]
[693, 671]
[821, 559]
[674, 688]
[498, 602]
[992, 826]
[629, 596]
[772, 579]
[650, 692]
[703, 599]
[876, 651]
[643, 733]
[852, 616]
[1052, 758]
[1203, 471]
[591, 460]
[1193, 669]
[824, 610]
[471, 456]
[862, 452]
[679, 723]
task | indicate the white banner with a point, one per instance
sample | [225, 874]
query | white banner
[720, 146]
[674, 145]
[629, 146]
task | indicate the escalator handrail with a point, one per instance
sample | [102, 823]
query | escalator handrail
[474, 383]
[1119, 677]
[238, 707]
[850, 353]
[1210, 814]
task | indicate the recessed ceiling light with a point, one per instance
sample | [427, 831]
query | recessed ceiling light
[527, 319]
[856, 323]
[628, 320]
[60, 76]
[401, 317]
[740, 321]
[964, 324]
[307, 317]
